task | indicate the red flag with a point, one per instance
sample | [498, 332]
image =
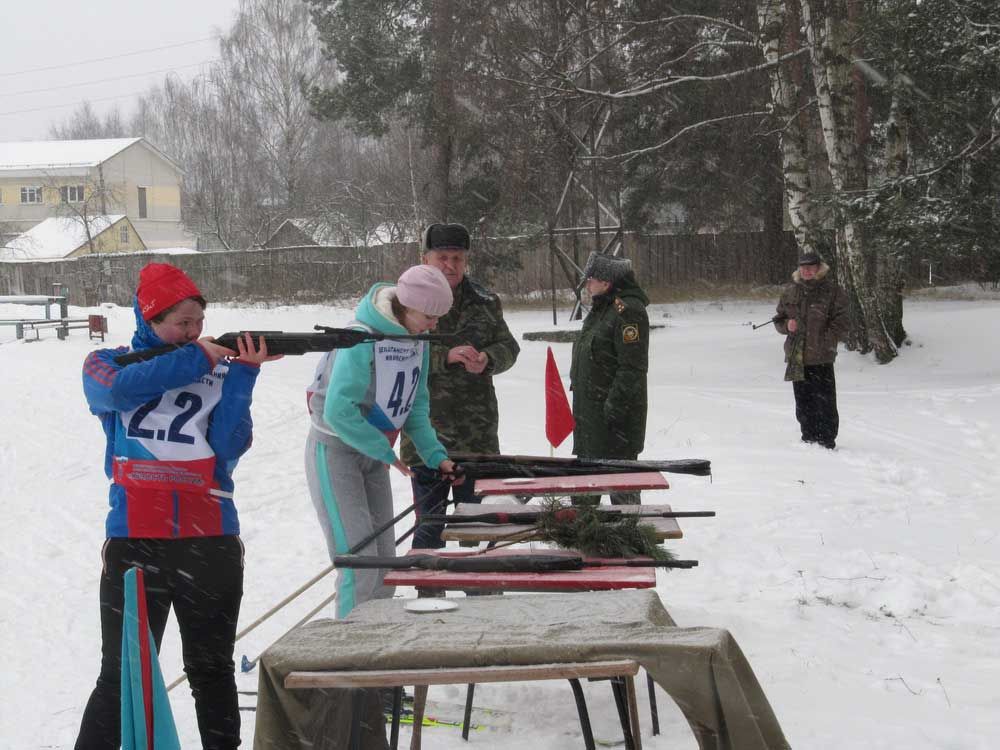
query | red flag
[559, 422]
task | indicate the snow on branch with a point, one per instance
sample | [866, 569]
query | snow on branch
[651, 87]
[627, 156]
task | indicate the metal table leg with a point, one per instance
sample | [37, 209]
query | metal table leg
[653, 710]
[581, 709]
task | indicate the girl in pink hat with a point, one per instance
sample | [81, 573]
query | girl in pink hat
[359, 401]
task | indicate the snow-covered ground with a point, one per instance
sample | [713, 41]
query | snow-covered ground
[862, 584]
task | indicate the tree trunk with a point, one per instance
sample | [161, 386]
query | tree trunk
[890, 272]
[442, 105]
[866, 275]
[773, 17]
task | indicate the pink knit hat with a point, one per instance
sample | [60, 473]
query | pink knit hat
[425, 289]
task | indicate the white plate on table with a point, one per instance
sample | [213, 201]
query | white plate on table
[431, 604]
[519, 480]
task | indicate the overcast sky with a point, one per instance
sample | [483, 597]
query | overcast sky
[50, 50]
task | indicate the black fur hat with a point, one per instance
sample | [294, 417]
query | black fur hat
[810, 259]
[606, 267]
[446, 236]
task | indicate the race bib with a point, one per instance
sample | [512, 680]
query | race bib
[172, 428]
[397, 372]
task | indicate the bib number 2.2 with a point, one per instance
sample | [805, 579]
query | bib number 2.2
[189, 404]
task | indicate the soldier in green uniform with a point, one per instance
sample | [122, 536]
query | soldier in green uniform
[608, 374]
[812, 315]
[463, 401]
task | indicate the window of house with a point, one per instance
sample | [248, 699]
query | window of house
[71, 193]
[123, 234]
[31, 195]
[142, 203]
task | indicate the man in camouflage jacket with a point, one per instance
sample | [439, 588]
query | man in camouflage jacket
[608, 374]
[463, 401]
[812, 315]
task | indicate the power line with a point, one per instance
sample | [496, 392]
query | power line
[106, 80]
[74, 104]
[109, 57]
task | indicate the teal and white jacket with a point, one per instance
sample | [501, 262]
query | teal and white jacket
[367, 394]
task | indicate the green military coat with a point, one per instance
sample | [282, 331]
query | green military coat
[608, 375]
[464, 406]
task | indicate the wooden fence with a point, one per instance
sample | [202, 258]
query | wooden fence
[514, 267]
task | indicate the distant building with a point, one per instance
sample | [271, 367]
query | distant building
[90, 178]
[326, 233]
[67, 237]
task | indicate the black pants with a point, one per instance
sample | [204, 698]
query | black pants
[202, 578]
[430, 496]
[816, 405]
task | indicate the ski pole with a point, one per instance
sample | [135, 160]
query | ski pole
[247, 665]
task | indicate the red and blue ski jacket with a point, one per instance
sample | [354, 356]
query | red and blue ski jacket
[176, 426]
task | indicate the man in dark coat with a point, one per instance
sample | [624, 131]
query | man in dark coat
[608, 374]
[464, 409]
[812, 315]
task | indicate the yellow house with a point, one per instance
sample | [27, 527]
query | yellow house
[127, 176]
[71, 237]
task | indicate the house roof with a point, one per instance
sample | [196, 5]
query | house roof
[62, 155]
[56, 237]
[324, 233]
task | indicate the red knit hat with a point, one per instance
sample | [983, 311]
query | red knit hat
[162, 285]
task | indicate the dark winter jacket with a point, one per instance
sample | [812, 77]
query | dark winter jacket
[608, 374]
[464, 409]
[820, 307]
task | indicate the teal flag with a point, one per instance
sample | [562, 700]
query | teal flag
[147, 721]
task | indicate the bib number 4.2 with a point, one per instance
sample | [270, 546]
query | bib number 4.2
[395, 401]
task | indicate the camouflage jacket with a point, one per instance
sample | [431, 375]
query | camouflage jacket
[464, 406]
[608, 375]
[820, 308]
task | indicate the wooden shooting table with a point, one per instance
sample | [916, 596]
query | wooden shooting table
[583, 484]
[594, 484]
[603, 578]
[588, 579]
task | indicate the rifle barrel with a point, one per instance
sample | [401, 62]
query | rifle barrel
[566, 514]
[500, 564]
[290, 342]
[526, 466]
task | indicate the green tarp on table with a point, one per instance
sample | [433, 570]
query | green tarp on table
[703, 669]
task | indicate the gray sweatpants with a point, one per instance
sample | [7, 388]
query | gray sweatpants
[353, 497]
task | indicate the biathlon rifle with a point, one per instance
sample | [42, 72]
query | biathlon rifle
[775, 319]
[478, 563]
[489, 466]
[566, 515]
[282, 342]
